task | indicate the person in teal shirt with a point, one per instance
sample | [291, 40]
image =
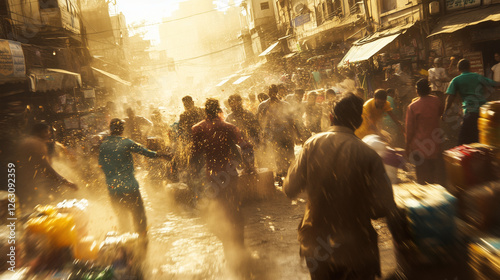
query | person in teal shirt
[117, 163]
[470, 86]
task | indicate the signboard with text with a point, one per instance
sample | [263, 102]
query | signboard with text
[302, 19]
[452, 5]
[11, 60]
[476, 62]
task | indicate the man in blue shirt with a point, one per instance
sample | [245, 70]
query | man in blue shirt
[470, 86]
[115, 159]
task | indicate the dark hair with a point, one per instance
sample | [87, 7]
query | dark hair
[348, 111]
[423, 87]
[390, 91]
[212, 108]
[380, 94]
[312, 93]
[464, 65]
[273, 89]
[234, 97]
[330, 91]
[39, 128]
[262, 96]
[116, 126]
[187, 99]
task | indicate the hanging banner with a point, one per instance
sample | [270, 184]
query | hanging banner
[12, 65]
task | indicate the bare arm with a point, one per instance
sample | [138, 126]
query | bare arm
[396, 121]
[449, 101]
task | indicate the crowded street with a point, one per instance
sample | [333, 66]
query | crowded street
[250, 139]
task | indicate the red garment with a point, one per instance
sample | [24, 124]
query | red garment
[217, 139]
[423, 132]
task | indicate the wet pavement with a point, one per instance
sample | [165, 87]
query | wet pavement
[183, 247]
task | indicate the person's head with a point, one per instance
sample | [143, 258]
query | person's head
[497, 57]
[235, 102]
[348, 111]
[117, 126]
[273, 91]
[380, 97]
[330, 95]
[262, 97]
[130, 112]
[188, 102]
[42, 131]
[438, 62]
[299, 93]
[212, 108]
[251, 97]
[464, 65]
[423, 88]
[311, 98]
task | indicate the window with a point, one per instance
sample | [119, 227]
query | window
[48, 4]
[389, 5]
[264, 6]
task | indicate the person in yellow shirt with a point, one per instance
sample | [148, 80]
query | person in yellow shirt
[373, 111]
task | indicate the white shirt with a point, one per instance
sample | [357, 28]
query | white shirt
[496, 72]
[434, 75]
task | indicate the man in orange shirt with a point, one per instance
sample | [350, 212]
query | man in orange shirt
[373, 111]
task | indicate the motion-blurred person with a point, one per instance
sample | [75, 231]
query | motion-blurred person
[470, 87]
[243, 119]
[136, 126]
[277, 123]
[313, 113]
[326, 108]
[346, 190]
[117, 163]
[360, 92]
[282, 91]
[191, 116]
[297, 107]
[217, 141]
[423, 148]
[496, 68]
[252, 103]
[438, 79]
[373, 112]
[37, 181]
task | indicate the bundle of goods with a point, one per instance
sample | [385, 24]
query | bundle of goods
[49, 236]
[78, 210]
[256, 186]
[484, 258]
[124, 253]
[468, 165]
[425, 230]
[480, 205]
[393, 159]
[489, 124]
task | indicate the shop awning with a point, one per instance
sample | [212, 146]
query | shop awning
[268, 50]
[225, 80]
[47, 79]
[364, 52]
[366, 47]
[241, 80]
[112, 76]
[455, 22]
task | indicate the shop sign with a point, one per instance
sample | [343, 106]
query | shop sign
[11, 60]
[476, 62]
[452, 5]
[302, 19]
